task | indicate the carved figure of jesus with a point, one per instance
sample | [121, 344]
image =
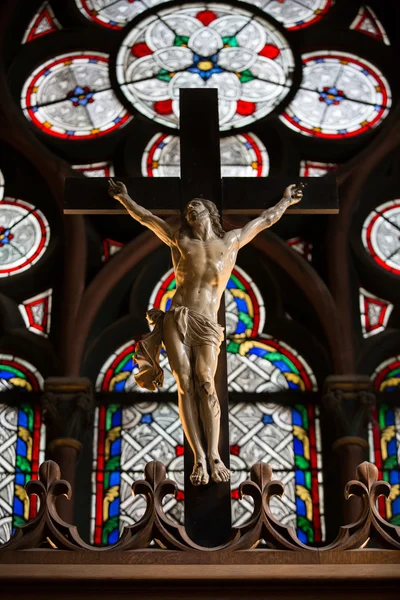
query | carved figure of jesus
[203, 256]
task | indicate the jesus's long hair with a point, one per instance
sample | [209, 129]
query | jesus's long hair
[186, 230]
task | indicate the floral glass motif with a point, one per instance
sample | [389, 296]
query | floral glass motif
[98, 169]
[367, 22]
[70, 96]
[241, 156]
[114, 14]
[24, 236]
[385, 437]
[205, 45]
[374, 313]
[127, 437]
[36, 312]
[43, 22]
[22, 439]
[381, 235]
[313, 168]
[295, 14]
[340, 96]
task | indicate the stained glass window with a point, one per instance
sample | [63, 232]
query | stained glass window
[313, 168]
[36, 312]
[42, 23]
[127, 437]
[241, 156]
[295, 14]
[24, 236]
[385, 437]
[1, 185]
[70, 97]
[380, 235]
[341, 95]
[205, 45]
[301, 246]
[98, 169]
[367, 22]
[114, 14]
[374, 313]
[22, 439]
[110, 247]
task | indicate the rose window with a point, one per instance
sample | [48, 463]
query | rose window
[205, 46]
[381, 235]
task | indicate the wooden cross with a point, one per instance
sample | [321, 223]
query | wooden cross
[207, 508]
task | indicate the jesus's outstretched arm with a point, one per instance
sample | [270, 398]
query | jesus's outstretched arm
[292, 195]
[118, 190]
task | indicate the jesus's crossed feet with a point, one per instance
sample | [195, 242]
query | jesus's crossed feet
[219, 472]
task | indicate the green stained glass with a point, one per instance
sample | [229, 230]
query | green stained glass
[23, 464]
[238, 283]
[233, 347]
[112, 408]
[248, 321]
[230, 41]
[246, 76]
[164, 75]
[113, 463]
[303, 411]
[181, 40]
[301, 462]
[305, 525]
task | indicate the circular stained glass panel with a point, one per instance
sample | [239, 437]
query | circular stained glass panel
[70, 97]
[16, 373]
[241, 156]
[381, 235]
[114, 14]
[295, 14]
[340, 96]
[24, 236]
[205, 46]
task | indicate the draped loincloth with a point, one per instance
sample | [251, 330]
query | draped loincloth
[194, 329]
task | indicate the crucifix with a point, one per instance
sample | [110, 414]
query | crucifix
[203, 256]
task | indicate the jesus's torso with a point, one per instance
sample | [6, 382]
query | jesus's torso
[202, 270]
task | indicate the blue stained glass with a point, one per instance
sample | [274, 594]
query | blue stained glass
[293, 386]
[267, 419]
[302, 536]
[70, 132]
[282, 366]
[394, 477]
[120, 385]
[296, 418]
[396, 506]
[296, 119]
[240, 328]
[168, 304]
[93, 60]
[21, 447]
[115, 478]
[241, 304]
[319, 60]
[230, 284]
[114, 508]
[389, 417]
[22, 419]
[147, 418]
[113, 537]
[117, 119]
[161, 145]
[247, 145]
[391, 447]
[35, 109]
[128, 365]
[365, 72]
[301, 507]
[18, 507]
[300, 477]
[47, 72]
[298, 447]
[258, 351]
[342, 131]
[117, 418]
[6, 375]
[115, 449]
[20, 479]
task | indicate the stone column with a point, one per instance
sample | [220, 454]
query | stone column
[350, 402]
[67, 407]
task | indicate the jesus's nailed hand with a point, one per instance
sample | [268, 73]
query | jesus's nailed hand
[117, 189]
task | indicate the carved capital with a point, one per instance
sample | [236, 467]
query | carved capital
[350, 401]
[68, 408]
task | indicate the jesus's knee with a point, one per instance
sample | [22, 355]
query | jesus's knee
[183, 379]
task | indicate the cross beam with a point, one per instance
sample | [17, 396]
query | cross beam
[240, 195]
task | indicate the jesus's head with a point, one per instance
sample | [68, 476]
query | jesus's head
[198, 210]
